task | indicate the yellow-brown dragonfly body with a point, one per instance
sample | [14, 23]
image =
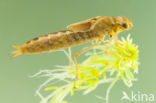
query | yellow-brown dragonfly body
[55, 41]
[79, 33]
[92, 29]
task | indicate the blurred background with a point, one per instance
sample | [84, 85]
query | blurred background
[22, 20]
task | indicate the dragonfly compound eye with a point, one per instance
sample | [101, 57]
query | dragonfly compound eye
[124, 25]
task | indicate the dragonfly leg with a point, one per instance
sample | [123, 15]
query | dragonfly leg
[81, 52]
[70, 56]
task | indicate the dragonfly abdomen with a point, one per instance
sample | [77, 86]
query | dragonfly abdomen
[54, 41]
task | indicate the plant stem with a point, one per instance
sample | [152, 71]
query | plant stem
[111, 86]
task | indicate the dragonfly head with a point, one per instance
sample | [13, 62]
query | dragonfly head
[123, 23]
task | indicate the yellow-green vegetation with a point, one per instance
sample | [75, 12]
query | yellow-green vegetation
[120, 62]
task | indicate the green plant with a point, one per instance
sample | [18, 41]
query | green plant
[121, 62]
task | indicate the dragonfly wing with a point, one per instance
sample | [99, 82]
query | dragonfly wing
[80, 26]
[84, 25]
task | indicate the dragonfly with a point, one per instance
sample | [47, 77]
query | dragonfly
[95, 28]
